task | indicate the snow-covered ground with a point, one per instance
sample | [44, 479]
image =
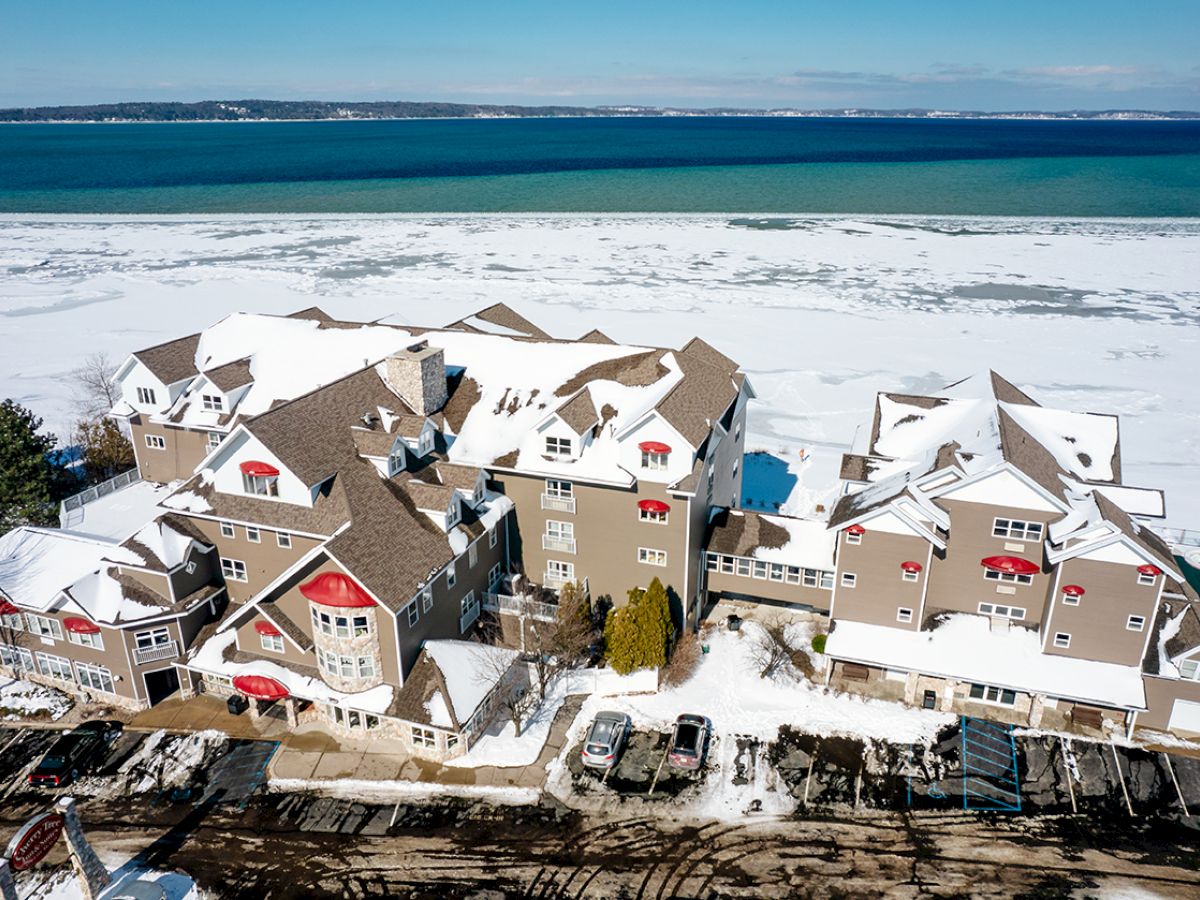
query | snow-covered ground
[60, 883]
[822, 312]
[24, 699]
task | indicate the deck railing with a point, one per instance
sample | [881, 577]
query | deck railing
[95, 492]
[558, 504]
[557, 544]
[143, 655]
[508, 605]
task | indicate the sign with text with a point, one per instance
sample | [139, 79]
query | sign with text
[30, 845]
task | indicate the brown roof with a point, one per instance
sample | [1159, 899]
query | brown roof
[635, 370]
[270, 609]
[506, 317]
[1029, 455]
[312, 312]
[579, 412]
[369, 442]
[329, 511]
[176, 523]
[1007, 392]
[231, 375]
[173, 361]
[428, 496]
[422, 683]
[707, 353]
[457, 476]
[1143, 537]
[700, 398]
[596, 336]
[741, 533]
[690, 482]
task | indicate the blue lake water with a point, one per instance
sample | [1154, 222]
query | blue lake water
[917, 166]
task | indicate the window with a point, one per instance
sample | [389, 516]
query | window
[853, 537]
[233, 569]
[95, 677]
[1135, 623]
[827, 580]
[261, 485]
[562, 489]
[156, 442]
[849, 579]
[1189, 669]
[93, 641]
[252, 535]
[1145, 579]
[452, 514]
[1070, 599]
[793, 574]
[371, 721]
[743, 566]
[16, 657]
[451, 741]
[54, 666]
[1007, 577]
[468, 607]
[737, 432]
[906, 575]
[1005, 612]
[652, 557]
[477, 494]
[212, 402]
[493, 577]
[283, 539]
[556, 446]
[760, 569]
[44, 626]
[145, 395]
[12, 621]
[414, 615]
[423, 737]
[560, 531]
[345, 666]
[714, 562]
[427, 599]
[776, 571]
[1017, 530]
[213, 441]
[493, 537]
[810, 577]
[148, 640]
[989, 694]
[727, 564]
[1062, 640]
[655, 462]
[904, 614]
[653, 517]
[396, 460]
[366, 667]
[272, 642]
[559, 571]
[190, 568]
[227, 529]
[451, 576]
[472, 555]
[736, 464]
[425, 442]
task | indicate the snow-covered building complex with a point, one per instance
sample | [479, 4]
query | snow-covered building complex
[347, 502]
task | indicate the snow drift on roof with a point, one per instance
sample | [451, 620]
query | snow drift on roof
[470, 671]
[1084, 444]
[37, 563]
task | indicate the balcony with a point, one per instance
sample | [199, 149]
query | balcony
[508, 605]
[143, 655]
[467, 619]
[558, 504]
[557, 544]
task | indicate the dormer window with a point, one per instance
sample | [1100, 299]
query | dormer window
[654, 455]
[452, 513]
[477, 495]
[145, 395]
[260, 479]
[396, 460]
[212, 402]
[425, 442]
[556, 446]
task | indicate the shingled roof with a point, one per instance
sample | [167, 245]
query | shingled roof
[172, 361]
[231, 375]
[580, 412]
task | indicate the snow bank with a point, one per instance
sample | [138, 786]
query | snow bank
[395, 791]
[163, 761]
[25, 700]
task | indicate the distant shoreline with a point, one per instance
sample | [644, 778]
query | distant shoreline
[987, 118]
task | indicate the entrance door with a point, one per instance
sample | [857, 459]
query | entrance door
[161, 684]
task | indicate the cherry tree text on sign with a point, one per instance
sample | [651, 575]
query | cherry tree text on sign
[30, 845]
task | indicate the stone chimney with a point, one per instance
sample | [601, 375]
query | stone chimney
[418, 374]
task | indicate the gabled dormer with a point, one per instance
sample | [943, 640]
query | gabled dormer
[242, 465]
[652, 450]
[440, 502]
[151, 380]
[469, 481]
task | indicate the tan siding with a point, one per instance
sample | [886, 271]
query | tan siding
[179, 459]
[1161, 694]
[111, 657]
[879, 589]
[1097, 624]
[783, 592]
[265, 561]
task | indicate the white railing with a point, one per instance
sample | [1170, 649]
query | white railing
[95, 492]
[467, 619]
[1180, 537]
[561, 545]
[554, 579]
[558, 504]
[508, 605]
[143, 655]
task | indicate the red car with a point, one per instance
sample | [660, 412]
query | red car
[689, 742]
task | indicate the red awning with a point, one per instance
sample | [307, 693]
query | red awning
[1149, 570]
[7, 609]
[254, 467]
[653, 506]
[654, 447]
[266, 628]
[910, 566]
[336, 589]
[1074, 590]
[260, 687]
[1013, 565]
[81, 626]
[856, 529]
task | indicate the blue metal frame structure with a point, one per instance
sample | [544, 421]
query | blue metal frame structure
[990, 777]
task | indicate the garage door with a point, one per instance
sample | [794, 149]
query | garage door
[1185, 716]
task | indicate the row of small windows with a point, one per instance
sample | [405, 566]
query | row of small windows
[1013, 529]
[341, 626]
[98, 678]
[345, 666]
[254, 535]
[1062, 639]
[769, 571]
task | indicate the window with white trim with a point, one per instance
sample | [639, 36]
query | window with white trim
[97, 678]
[226, 529]
[1007, 577]
[564, 490]
[253, 535]
[16, 657]
[987, 693]
[493, 536]
[558, 446]
[472, 555]
[260, 485]
[145, 395]
[737, 432]
[423, 737]
[561, 571]
[212, 402]
[156, 442]
[272, 642]
[92, 641]
[494, 576]
[44, 626]
[342, 626]
[827, 580]
[190, 567]
[451, 576]
[760, 569]
[1062, 640]
[853, 537]
[1146, 579]
[1189, 669]
[560, 531]
[909, 575]
[345, 666]
[13, 621]
[55, 666]
[1070, 599]
[1004, 612]
[212, 441]
[155, 637]
[452, 512]
[904, 614]
[283, 540]
[233, 569]
[653, 461]
[468, 606]
[425, 442]
[849, 579]
[1135, 623]
[654, 517]
[652, 557]
[426, 600]
[1017, 529]
[744, 566]
[777, 571]
[793, 574]
[396, 459]
[414, 615]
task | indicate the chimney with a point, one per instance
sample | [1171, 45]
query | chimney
[418, 374]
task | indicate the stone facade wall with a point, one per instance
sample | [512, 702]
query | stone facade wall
[420, 378]
[366, 645]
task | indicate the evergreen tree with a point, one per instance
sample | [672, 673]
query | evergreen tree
[638, 634]
[29, 482]
[105, 450]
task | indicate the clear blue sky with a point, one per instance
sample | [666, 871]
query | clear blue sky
[968, 54]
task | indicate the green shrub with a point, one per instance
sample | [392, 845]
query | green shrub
[638, 634]
[818, 643]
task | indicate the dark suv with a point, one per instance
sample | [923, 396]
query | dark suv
[72, 753]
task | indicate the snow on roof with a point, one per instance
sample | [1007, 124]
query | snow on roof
[810, 544]
[1082, 443]
[470, 671]
[439, 712]
[965, 648]
[1136, 501]
[168, 544]
[210, 657]
[909, 427]
[188, 501]
[36, 564]
[105, 599]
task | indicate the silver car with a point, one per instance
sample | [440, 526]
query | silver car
[605, 739]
